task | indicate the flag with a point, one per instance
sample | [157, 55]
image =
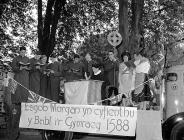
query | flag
[35, 98]
[12, 85]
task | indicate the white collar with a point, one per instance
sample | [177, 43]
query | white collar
[98, 72]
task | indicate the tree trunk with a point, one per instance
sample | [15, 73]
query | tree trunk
[45, 48]
[58, 7]
[53, 13]
[40, 24]
[136, 25]
[123, 25]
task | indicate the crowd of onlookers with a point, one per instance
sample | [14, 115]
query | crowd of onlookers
[126, 76]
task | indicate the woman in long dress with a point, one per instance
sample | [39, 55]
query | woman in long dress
[126, 78]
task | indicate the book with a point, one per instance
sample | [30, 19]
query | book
[24, 64]
[47, 70]
[39, 64]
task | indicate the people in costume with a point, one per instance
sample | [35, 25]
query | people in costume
[35, 73]
[126, 78]
[54, 79]
[141, 92]
[20, 66]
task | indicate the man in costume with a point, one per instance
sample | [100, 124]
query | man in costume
[20, 67]
[54, 79]
[35, 73]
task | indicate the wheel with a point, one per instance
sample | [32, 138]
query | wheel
[44, 135]
[177, 132]
[52, 135]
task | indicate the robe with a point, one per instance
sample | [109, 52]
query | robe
[100, 77]
[44, 83]
[20, 95]
[75, 71]
[35, 76]
[21, 76]
[54, 80]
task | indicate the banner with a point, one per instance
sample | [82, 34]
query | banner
[111, 120]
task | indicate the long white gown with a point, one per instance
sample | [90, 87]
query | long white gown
[126, 80]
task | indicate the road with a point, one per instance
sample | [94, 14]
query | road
[35, 135]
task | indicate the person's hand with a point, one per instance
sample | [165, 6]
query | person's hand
[87, 77]
[37, 67]
[22, 67]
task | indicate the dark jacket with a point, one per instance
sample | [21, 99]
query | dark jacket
[111, 72]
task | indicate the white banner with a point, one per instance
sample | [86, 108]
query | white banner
[79, 118]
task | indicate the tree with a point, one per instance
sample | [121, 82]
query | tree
[47, 30]
[152, 25]
[16, 26]
[141, 19]
[82, 19]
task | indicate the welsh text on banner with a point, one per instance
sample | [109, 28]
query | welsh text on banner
[112, 120]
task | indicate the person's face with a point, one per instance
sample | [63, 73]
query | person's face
[111, 55]
[136, 57]
[88, 57]
[76, 60]
[22, 53]
[125, 58]
[44, 60]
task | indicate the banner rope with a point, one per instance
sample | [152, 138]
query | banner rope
[100, 101]
[29, 89]
[107, 99]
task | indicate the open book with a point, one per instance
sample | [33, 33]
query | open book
[24, 64]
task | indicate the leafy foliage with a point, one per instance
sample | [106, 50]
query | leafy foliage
[82, 19]
[84, 24]
[16, 26]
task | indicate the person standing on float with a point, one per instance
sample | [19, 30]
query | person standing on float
[141, 93]
[54, 79]
[35, 73]
[75, 69]
[44, 77]
[20, 67]
[88, 62]
[111, 68]
[126, 78]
